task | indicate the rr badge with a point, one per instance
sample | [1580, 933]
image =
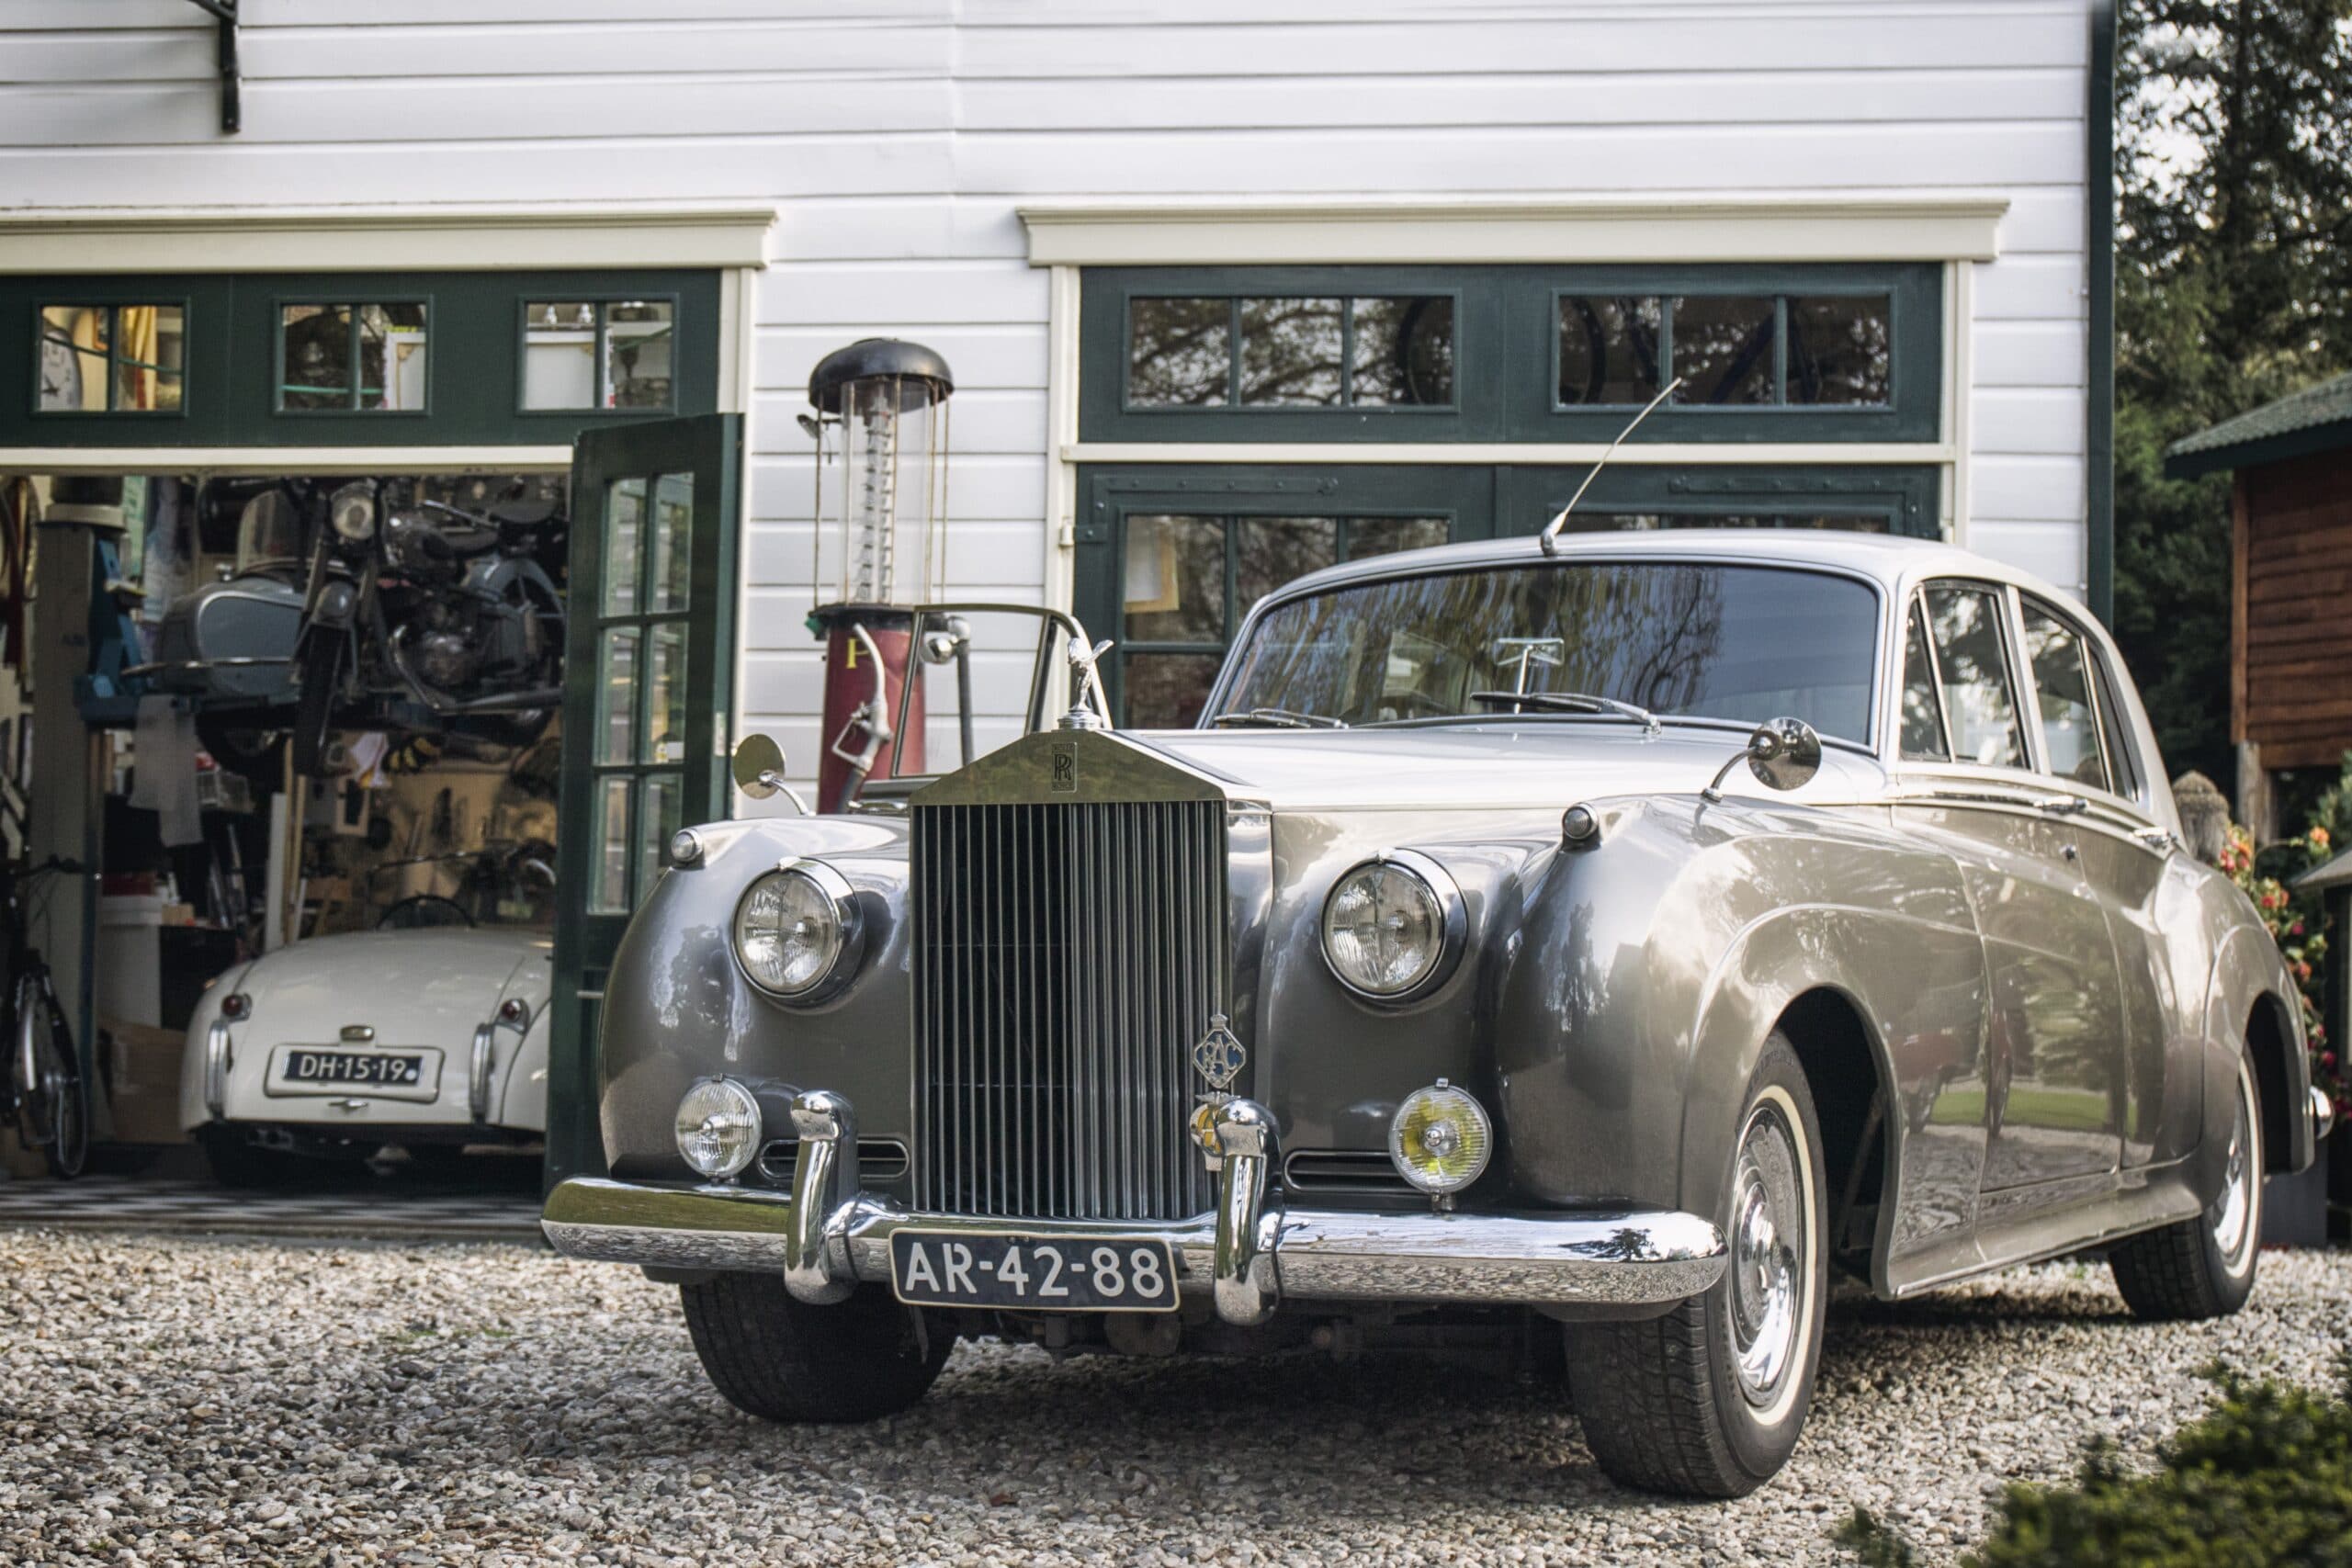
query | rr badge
[1220, 1056]
[1065, 776]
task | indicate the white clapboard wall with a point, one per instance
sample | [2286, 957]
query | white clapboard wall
[897, 136]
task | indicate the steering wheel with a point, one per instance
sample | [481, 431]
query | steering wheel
[424, 910]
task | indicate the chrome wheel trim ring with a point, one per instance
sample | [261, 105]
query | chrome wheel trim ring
[2235, 1214]
[1769, 1278]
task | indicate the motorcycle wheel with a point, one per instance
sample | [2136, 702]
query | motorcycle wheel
[314, 712]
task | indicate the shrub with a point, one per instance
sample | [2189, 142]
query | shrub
[2263, 1478]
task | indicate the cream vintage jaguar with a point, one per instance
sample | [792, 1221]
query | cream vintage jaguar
[1616, 936]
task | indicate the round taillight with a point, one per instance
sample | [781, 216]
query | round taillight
[236, 1005]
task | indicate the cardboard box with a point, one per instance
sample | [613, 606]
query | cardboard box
[144, 1065]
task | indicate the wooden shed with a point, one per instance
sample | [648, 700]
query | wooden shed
[2290, 621]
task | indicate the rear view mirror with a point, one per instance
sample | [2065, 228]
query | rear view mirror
[759, 771]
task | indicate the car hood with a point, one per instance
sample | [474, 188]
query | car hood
[426, 987]
[1534, 764]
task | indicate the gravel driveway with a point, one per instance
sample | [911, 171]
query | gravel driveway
[192, 1400]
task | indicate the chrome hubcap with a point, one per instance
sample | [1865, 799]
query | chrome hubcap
[1769, 1255]
[2232, 1213]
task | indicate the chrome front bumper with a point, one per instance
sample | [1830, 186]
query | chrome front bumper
[1246, 1256]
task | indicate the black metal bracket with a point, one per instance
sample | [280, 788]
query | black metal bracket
[224, 17]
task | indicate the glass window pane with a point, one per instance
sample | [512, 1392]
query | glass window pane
[1180, 352]
[1723, 348]
[1275, 550]
[616, 695]
[660, 804]
[1385, 535]
[75, 343]
[148, 347]
[2062, 689]
[2119, 763]
[1166, 691]
[316, 373]
[665, 694]
[392, 356]
[1290, 353]
[558, 354]
[1923, 715]
[666, 570]
[608, 881]
[624, 534]
[1609, 349]
[1175, 590]
[638, 339]
[1404, 353]
[1838, 349]
[1979, 704]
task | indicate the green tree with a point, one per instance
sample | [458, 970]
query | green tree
[2233, 286]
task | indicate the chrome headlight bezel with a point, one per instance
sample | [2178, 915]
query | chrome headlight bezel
[1454, 925]
[849, 935]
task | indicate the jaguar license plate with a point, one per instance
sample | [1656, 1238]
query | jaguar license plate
[327, 1069]
[1036, 1273]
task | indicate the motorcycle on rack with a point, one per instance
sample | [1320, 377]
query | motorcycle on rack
[401, 613]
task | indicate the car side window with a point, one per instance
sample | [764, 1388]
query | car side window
[1979, 703]
[2062, 689]
[1923, 709]
[2120, 763]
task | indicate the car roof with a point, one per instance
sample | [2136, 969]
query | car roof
[1893, 560]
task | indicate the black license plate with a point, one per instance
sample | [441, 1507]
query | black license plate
[1038, 1273]
[378, 1068]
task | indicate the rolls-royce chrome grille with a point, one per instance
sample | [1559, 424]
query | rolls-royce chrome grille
[1066, 959]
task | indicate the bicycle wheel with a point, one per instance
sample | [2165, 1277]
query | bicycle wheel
[49, 1098]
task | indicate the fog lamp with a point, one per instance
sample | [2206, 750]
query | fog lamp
[718, 1126]
[1440, 1139]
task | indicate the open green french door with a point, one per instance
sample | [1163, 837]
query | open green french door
[648, 675]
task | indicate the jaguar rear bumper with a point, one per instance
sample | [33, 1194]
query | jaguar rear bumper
[1246, 1256]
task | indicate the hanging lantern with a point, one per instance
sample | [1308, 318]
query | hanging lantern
[882, 411]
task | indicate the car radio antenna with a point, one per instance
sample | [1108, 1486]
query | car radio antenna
[1551, 529]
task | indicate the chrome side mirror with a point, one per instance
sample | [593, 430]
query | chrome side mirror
[759, 771]
[1783, 754]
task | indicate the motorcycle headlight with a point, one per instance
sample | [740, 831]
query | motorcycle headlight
[798, 934]
[352, 511]
[1393, 927]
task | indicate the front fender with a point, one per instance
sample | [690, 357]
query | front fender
[1651, 969]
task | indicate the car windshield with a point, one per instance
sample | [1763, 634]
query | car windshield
[1681, 640]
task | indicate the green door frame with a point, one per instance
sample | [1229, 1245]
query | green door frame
[637, 603]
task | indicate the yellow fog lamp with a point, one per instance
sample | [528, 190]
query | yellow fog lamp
[1440, 1139]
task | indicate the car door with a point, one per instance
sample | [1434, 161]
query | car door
[2127, 860]
[2052, 1000]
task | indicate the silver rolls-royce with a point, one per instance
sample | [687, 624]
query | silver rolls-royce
[1619, 931]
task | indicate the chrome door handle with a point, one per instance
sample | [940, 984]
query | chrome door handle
[2160, 840]
[2064, 805]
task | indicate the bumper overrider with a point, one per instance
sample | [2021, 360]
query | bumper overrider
[827, 1238]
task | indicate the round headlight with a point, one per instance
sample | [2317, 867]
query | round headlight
[1440, 1139]
[352, 509]
[1392, 928]
[797, 932]
[718, 1126]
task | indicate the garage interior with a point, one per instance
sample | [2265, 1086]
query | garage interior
[206, 847]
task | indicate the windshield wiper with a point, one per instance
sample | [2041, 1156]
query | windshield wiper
[1571, 702]
[1278, 718]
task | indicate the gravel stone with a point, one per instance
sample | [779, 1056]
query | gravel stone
[215, 1400]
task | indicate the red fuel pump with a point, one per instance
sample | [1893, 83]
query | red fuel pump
[882, 409]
